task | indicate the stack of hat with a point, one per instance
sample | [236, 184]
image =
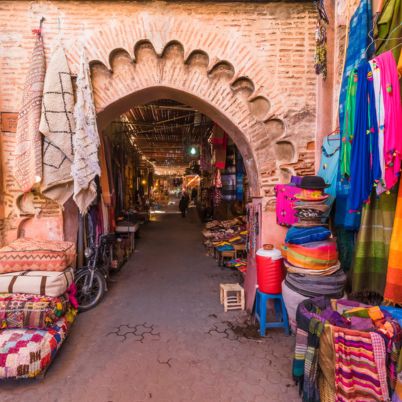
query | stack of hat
[37, 306]
[310, 254]
[310, 205]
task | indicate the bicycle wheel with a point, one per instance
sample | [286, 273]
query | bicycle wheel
[89, 295]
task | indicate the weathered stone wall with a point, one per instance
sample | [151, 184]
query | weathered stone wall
[248, 65]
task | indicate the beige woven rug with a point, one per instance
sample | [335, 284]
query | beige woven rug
[57, 125]
[28, 148]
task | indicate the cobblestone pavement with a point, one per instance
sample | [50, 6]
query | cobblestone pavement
[161, 334]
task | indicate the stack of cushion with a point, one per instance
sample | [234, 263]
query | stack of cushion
[313, 269]
[35, 308]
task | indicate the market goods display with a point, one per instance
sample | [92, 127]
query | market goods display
[36, 306]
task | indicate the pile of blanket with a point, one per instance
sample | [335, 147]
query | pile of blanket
[347, 351]
[37, 304]
[224, 234]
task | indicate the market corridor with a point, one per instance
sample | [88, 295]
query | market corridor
[160, 334]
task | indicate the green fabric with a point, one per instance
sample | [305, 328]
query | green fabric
[369, 269]
[390, 18]
[345, 240]
[348, 124]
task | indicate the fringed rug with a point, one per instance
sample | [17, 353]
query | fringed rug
[28, 149]
[57, 125]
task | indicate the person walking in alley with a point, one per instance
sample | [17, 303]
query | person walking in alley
[183, 204]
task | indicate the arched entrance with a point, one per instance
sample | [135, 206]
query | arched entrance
[155, 93]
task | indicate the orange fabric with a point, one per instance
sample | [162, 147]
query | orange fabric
[393, 287]
[104, 178]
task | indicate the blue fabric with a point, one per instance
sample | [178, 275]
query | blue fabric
[396, 312]
[329, 162]
[358, 41]
[365, 161]
[296, 235]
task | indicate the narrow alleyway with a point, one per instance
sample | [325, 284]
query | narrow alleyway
[160, 334]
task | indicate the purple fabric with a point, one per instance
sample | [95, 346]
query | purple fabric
[361, 324]
[285, 201]
[296, 180]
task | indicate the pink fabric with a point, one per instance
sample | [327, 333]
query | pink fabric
[72, 293]
[285, 200]
[392, 118]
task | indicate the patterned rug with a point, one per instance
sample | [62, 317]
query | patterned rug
[57, 125]
[28, 149]
[85, 141]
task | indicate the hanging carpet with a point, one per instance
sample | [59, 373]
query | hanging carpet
[57, 125]
[28, 148]
[85, 141]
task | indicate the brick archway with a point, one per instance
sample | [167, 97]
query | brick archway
[147, 58]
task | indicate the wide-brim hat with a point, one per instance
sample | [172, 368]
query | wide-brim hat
[311, 195]
[313, 183]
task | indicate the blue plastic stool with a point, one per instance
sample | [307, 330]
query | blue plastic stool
[280, 312]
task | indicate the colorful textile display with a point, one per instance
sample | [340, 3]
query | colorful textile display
[58, 126]
[369, 268]
[313, 285]
[28, 148]
[26, 254]
[285, 201]
[27, 353]
[30, 311]
[364, 163]
[393, 286]
[314, 255]
[329, 162]
[311, 272]
[310, 326]
[297, 235]
[388, 30]
[348, 124]
[360, 371]
[85, 141]
[43, 283]
[392, 117]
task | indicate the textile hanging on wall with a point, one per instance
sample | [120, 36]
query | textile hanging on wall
[389, 28]
[393, 287]
[28, 149]
[369, 268]
[392, 151]
[364, 162]
[329, 162]
[85, 141]
[58, 126]
[358, 41]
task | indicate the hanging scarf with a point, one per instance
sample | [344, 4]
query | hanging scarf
[365, 163]
[379, 107]
[393, 287]
[349, 124]
[369, 267]
[358, 40]
[85, 141]
[28, 148]
[392, 118]
[305, 362]
[57, 125]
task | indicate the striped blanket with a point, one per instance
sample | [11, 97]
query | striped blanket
[314, 255]
[360, 370]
